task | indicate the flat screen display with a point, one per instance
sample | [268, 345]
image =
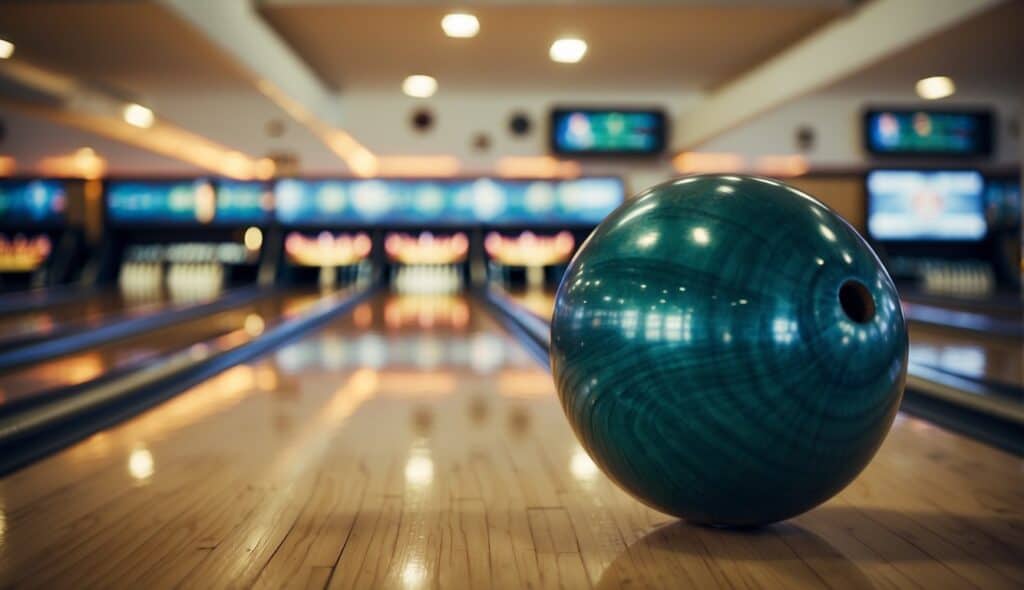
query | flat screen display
[160, 202]
[928, 133]
[612, 132]
[482, 201]
[914, 205]
[241, 203]
[188, 202]
[27, 204]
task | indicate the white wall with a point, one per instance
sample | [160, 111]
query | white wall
[836, 118]
[381, 121]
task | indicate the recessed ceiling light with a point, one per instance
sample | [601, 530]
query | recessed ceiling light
[6, 49]
[935, 87]
[138, 116]
[460, 25]
[568, 51]
[419, 86]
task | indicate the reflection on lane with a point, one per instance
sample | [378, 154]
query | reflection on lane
[229, 328]
[482, 352]
[407, 332]
[88, 308]
[94, 308]
[972, 356]
[539, 302]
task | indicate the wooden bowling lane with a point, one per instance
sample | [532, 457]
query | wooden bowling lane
[997, 360]
[409, 445]
[72, 369]
[1004, 306]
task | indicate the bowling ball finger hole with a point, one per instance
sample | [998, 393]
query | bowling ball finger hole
[856, 301]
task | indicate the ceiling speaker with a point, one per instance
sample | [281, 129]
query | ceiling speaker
[481, 142]
[519, 124]
[422, 120]
[805, 138]
[274, 128]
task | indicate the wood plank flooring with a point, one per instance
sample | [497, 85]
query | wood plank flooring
[451, 465]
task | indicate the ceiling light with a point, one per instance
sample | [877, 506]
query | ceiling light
[935, 87]
[419, 86]
[82, 163]
[568, 51]
[138, 115]
[6, 49]
[460, 25]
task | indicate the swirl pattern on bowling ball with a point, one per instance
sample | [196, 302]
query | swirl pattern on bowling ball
[728, 349]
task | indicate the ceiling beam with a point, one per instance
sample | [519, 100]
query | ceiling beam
[68, 101]
[841, 48]
[280, 74]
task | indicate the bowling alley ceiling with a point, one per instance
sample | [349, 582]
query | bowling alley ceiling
[682, 46]
[130, 44]
[982, 55]
[355, 54]
[46, 142]
[140, 51]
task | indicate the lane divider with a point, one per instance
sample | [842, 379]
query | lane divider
[532, 331]
[80, 340]
[963, 320]
[44, 428]
[41, 298]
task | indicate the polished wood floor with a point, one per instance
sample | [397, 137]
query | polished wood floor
[399, 449]
[991, 359]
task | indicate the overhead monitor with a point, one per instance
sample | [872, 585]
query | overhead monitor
[907, 132]
[608, 132]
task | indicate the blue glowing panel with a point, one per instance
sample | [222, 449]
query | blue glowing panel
[32, 203]
[607, 132]
[160, 202]
[482, 201]
[909, 205]
[241, 203]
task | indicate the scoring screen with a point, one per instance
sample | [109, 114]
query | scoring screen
[607, 132]
[482, 201]
[906, 205]
[32, 203]
[187, 202]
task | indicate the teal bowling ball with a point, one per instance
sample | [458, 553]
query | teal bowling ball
[728, 349]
